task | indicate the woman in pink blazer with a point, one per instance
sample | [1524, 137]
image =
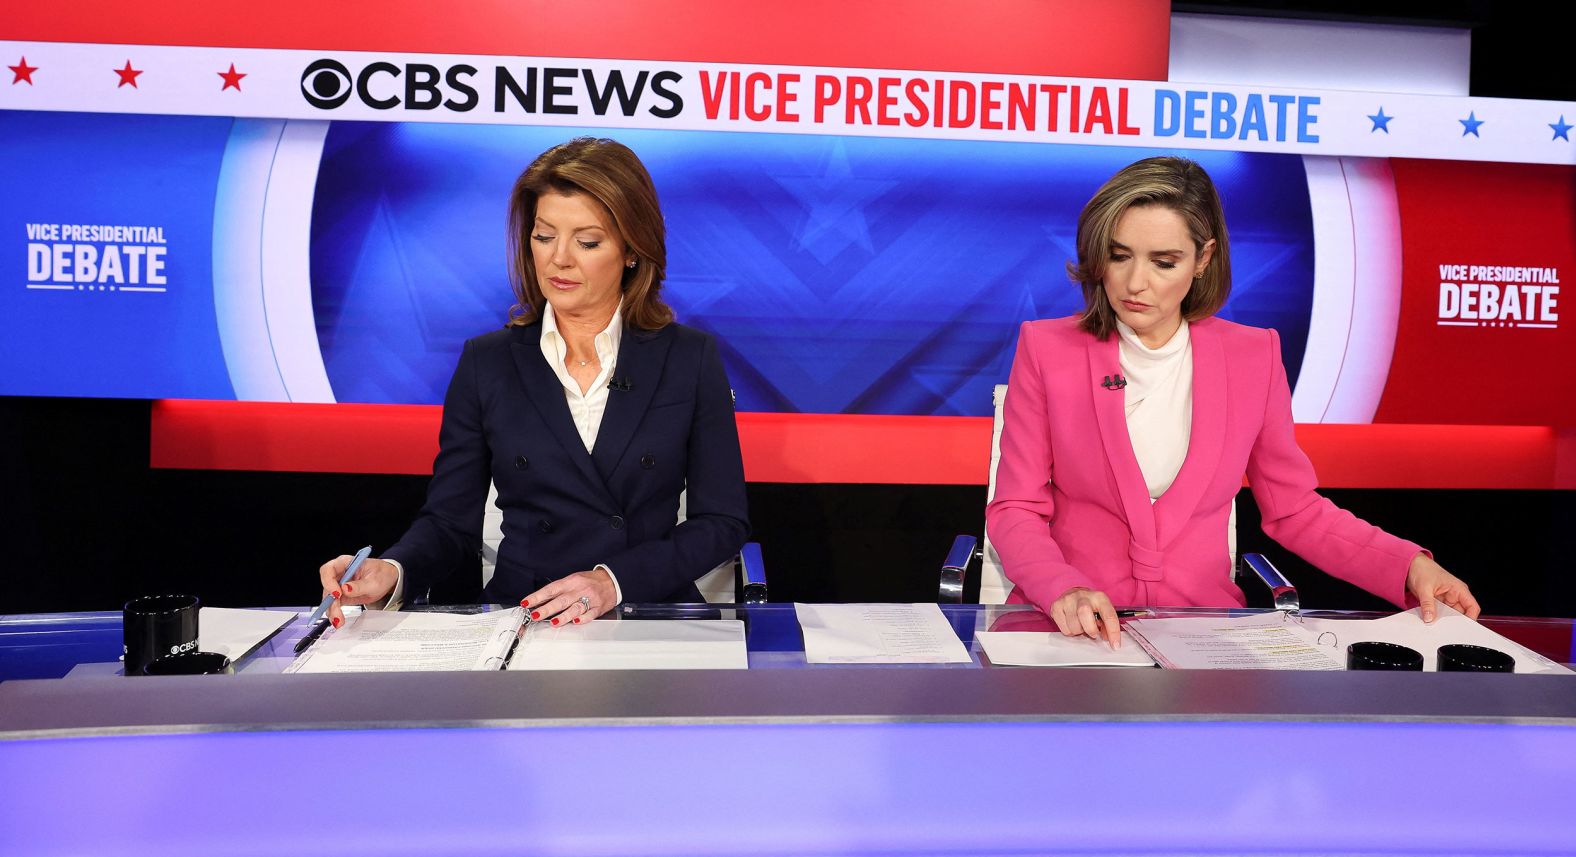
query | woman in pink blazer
[1128, 430]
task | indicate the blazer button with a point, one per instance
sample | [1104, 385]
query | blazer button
[648, 461]
[545, 526]
[521, 462]
[617, 522]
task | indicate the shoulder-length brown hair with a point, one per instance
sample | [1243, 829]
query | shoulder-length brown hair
[1175, 183]
[608, 172]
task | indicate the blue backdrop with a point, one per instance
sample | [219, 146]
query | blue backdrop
[843, 274]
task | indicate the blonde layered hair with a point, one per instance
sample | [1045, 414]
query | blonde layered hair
[1174, 183]
[608, 172]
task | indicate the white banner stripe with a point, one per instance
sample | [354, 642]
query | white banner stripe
[408, 87]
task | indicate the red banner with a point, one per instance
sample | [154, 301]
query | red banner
[1126, 39]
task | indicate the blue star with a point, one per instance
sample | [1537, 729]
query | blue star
[835, 206]
[1381, 121]
[1470, 124]
[1562, 131]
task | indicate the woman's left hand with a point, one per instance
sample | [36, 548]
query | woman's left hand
[1427, 581]
[577, 598]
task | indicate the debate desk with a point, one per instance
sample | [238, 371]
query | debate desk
[782, 758]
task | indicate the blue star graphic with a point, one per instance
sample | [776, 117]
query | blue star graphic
[1562, 130]
[1470, 124]
[1381, 121]
[834, 206]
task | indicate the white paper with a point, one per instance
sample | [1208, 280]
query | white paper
[392, 641]
[878, 634]
[624, 644]
[1408, 629]
[1268, 641]
[233, 633]
[1055, 649]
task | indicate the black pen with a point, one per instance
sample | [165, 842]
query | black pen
[311, 636]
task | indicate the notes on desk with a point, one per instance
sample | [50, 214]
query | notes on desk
[391, 641]
[657, 644]
[1408, 629]
[394, 641]
[1055, 649]
[1279, 641]
[1266, 641]
[233, 633]
[878, 634]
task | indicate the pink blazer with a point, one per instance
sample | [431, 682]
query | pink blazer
[1071, 507]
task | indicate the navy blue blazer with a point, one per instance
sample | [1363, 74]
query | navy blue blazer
[565, 510]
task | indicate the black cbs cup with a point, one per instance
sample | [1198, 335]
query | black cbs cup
[158, 626]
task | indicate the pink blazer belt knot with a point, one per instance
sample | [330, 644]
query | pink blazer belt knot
[1146, 562]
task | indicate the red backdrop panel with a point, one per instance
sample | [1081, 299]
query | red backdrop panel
[1485, 364]
[1127, 39]
[820, 448]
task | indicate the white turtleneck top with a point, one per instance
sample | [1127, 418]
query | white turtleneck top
[1159, 404]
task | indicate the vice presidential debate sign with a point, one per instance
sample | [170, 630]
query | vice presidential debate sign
[328, 226]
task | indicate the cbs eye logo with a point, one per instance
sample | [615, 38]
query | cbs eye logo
[326, 84]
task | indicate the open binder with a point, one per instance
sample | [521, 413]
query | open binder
[390, 641]
[1286, 640]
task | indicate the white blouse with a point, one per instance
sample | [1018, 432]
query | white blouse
[1159, 404]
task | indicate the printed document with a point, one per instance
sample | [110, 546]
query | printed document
[1055, 649]
[394, 641]
[625, 644]
[1267, 641]
[878, 634]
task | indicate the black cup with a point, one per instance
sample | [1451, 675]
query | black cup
[1462, 658]
[190, 663]
[1382, 656]
[157, 626]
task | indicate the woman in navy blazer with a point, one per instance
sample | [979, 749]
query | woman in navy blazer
[591, 412]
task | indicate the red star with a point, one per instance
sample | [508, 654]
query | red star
[23, 72]
[231, 78]
[127, 75]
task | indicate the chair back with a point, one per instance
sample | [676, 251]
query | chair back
[994, 585]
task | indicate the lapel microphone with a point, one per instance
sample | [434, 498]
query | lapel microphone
[1114, 382]
[620, 384]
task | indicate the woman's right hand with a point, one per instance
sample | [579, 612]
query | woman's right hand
[1080, 611]
[373, 582]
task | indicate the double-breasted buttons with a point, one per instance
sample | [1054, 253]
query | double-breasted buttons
[545, 526]
[616, 522]
[648, 461]
[521, 462]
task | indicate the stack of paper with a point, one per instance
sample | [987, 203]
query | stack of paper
[666, 644]
[1055, 649]
[878, 634]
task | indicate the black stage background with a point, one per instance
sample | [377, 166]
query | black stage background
[87, 523]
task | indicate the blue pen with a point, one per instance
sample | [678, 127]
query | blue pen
[350, 572]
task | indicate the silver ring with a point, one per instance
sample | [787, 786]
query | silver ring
[585, 604]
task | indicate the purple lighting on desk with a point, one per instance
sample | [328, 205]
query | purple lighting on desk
[966, 788]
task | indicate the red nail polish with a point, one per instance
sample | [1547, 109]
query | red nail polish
[350, 587]
[555, 620]
[335, 622]
[336, 593]
[536, 614]
[525, 602]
